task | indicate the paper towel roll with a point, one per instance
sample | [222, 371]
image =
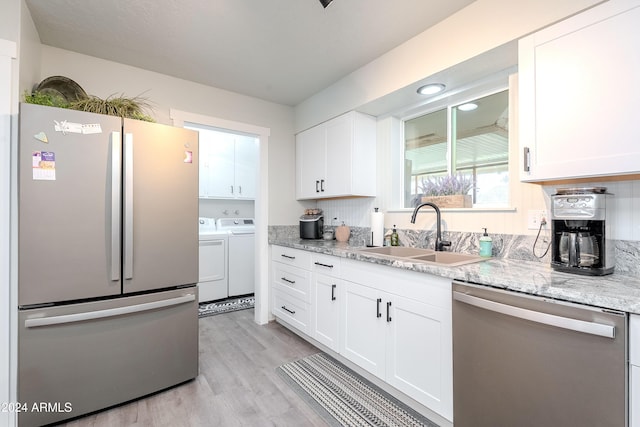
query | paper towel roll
[377, 228]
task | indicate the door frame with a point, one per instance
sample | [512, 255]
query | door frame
[178, 117]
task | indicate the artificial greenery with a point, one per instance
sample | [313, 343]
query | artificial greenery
[132, 108]
[46, 98]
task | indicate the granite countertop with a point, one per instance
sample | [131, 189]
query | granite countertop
[615, 292]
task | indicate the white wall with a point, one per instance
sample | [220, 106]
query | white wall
[480, 27]
[104, 78]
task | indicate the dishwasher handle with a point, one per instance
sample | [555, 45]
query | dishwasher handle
[592, 328]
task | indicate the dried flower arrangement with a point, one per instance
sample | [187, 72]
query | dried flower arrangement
[443, 186]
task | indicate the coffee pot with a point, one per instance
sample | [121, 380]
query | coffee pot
[580, 231]
[578, 249]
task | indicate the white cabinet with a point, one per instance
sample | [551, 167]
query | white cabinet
[337, 158]
[326, 288]
[634, 370]
[397, 325]
[578, 90]
[228, 165]
[291, 285]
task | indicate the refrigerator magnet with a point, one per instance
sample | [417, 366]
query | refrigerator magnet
[44, 165]
[42, 137]
[188, 156]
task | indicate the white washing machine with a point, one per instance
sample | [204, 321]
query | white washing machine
[241, 254]
[213, 262]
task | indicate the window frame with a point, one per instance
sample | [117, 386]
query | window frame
[448, 100]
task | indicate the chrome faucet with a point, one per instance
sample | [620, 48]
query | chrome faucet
[440, 244]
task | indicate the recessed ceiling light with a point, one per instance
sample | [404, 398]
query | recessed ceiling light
[431, 89]
[469, 106]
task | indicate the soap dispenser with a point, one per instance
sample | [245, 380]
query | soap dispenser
[485, 244]
[395, 241]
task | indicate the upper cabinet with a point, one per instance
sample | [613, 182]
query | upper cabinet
[337, 158]
[228, 165]
[578, 91]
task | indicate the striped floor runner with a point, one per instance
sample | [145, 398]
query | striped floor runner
[344, 398]
[233, 304]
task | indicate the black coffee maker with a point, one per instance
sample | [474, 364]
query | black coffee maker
[580, 232]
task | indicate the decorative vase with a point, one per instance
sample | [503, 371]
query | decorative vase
[452, 201]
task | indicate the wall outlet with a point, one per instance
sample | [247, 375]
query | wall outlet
[535, 217]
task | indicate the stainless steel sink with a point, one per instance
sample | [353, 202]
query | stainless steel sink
[429, 256]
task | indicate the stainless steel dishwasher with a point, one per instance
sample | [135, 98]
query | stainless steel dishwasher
[524, 361]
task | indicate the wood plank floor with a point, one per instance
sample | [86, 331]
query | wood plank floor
[237, 384]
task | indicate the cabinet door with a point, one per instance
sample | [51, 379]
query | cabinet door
[634, 396]
[363, 328]
[310, 163]
[325, 304]
[419, 358]
[339, 135]
[246, 166]
[578, 91]
[222, 166]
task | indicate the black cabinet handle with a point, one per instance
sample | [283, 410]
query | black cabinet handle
[323, 265]
[378, 301]
[287, 256]
[388, 311]
[317, 183]
[287, 310]
[333, 292]
[322, 185]
[288, 281]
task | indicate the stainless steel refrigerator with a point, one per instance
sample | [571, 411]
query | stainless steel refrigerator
[107, 261]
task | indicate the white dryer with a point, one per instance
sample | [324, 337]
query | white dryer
[241, 254]
[213, 261]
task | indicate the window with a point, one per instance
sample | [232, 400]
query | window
[470, 139]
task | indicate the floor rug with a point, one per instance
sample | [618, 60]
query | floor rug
[225, 306]
[344, 398]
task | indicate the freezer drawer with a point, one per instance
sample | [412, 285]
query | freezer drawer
[84, 357]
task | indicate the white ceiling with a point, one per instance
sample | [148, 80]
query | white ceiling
[282, 51]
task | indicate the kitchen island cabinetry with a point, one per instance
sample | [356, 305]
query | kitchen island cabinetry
[578, 89]
[337, 158]
[634, 370]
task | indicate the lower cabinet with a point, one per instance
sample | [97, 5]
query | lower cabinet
[395, 324]
[404, 340]
[634, 371]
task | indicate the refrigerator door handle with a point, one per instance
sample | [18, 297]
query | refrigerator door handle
[128, 206]
[116, 176]
[112, 312]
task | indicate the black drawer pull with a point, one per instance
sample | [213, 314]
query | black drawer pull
[333, 292]
[323, 265]
[287, 310]
[378, 301]
[288, 281]
[287, 256]
[388, 312]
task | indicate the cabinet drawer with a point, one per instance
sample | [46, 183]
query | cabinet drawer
[634, 339]
[291, 310]
[295, 257]
[291, 280]
[325, 264]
